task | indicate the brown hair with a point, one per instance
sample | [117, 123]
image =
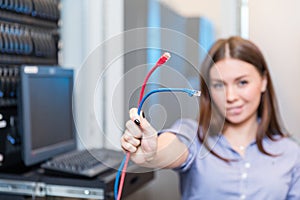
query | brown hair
[211, 121]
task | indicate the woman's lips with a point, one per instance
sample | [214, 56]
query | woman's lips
[235, 110]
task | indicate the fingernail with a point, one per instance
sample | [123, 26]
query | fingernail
[137, 122]
[143, 114]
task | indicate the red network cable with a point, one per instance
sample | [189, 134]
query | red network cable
[162, 60]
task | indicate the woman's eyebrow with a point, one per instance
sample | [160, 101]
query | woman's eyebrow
[221, 80]
[241, 77]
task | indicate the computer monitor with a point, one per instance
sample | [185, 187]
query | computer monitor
[45, 110]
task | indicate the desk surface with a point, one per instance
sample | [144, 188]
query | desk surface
[39, 184]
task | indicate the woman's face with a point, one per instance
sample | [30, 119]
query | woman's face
[236, 88]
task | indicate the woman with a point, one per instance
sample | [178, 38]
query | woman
[238, 150]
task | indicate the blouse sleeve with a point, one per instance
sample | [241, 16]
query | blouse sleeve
[186, 131]
[294, 191]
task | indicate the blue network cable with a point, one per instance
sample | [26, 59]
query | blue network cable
[117, 180]
[190, 92]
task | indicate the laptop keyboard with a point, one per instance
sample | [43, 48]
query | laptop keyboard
[88, 162]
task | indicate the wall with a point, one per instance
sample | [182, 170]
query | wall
[92, 45]
[75, 49]
[223, 14]
[275, 27]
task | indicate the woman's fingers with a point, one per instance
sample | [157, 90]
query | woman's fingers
[127, 146]
[134, 129]
[133, 114]
[131, 139]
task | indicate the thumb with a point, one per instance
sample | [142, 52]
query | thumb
[133, 114]
[148, 130]
[149, 139]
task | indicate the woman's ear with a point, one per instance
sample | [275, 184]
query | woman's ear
[264, 83]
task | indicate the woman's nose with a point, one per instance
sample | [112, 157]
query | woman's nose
[231, 94]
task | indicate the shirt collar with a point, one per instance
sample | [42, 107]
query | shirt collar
[224, 142]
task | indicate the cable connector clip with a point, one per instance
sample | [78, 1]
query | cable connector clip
[164, 58]
[197, 93]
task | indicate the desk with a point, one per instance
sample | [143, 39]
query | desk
[36, 183]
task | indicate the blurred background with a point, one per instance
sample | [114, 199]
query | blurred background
[115, 42]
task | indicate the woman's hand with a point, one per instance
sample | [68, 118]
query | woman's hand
[139, 138]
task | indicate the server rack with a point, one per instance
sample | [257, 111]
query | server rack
[29, 34]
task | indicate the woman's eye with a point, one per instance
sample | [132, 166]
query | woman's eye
[217, 85]
[243, 82]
